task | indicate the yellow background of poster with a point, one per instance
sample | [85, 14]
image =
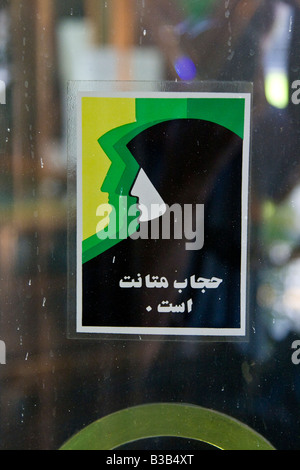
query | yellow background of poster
[99, 115]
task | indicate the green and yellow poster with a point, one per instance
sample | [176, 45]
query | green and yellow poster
[162, 209]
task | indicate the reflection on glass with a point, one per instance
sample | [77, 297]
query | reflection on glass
[51, 387]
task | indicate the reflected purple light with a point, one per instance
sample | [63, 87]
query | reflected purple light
[185, 68]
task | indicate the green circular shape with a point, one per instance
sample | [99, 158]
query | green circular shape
[167, 420]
